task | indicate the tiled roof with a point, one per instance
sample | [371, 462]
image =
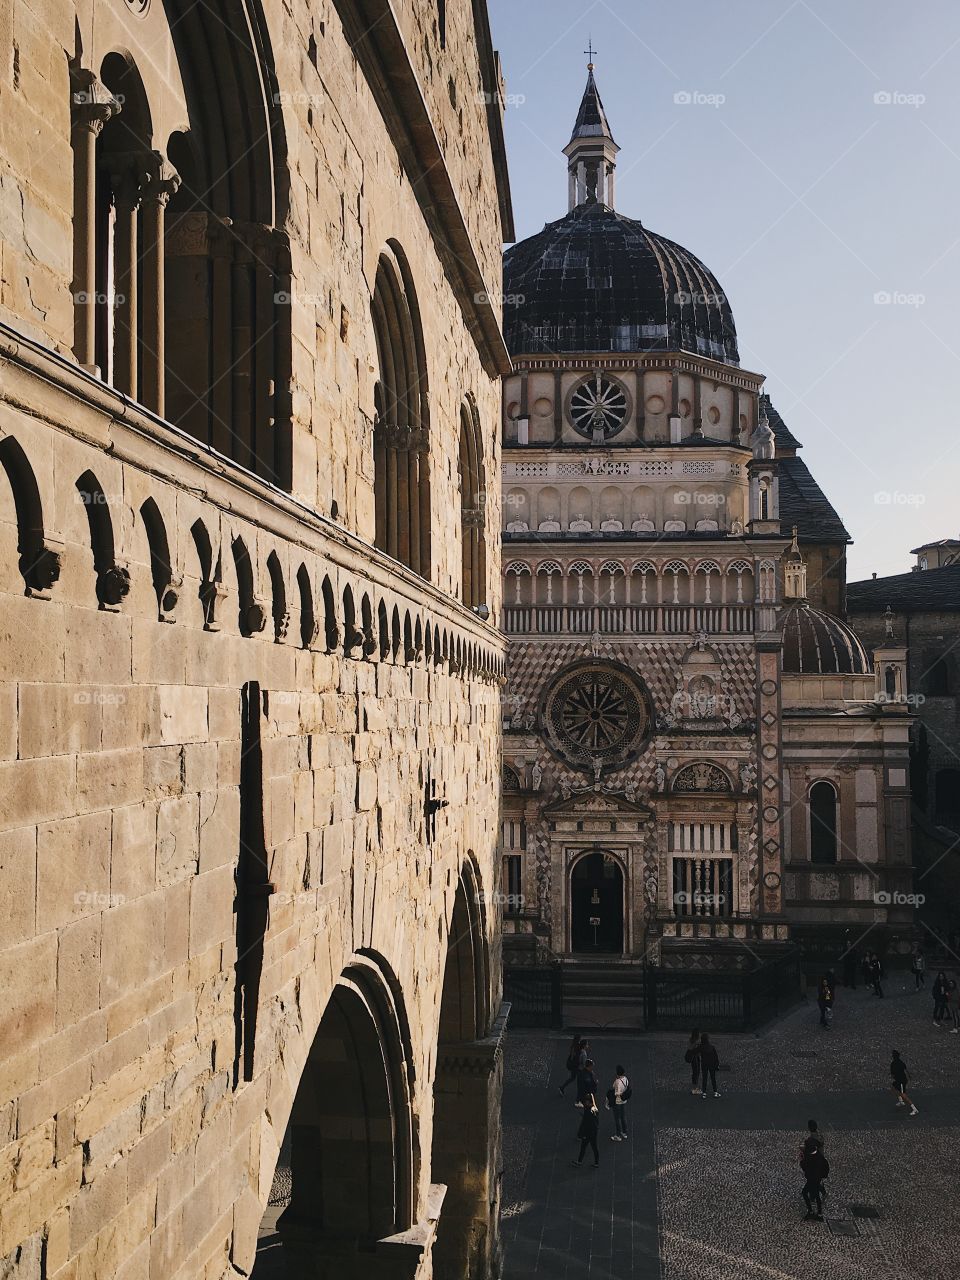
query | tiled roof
[922, 591]
[591, 118]
[804, 504]
[817, 643]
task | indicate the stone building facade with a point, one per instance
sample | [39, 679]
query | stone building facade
[697, 768]
[249, 667]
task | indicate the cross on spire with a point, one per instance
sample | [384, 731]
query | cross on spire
[590, 51]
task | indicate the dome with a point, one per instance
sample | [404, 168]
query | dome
[818, 644]
[597, 281]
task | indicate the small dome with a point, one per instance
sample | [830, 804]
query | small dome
[818, 644]
[597, 281]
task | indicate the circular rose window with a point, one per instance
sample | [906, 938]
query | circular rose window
[596, 717]
[598, 406]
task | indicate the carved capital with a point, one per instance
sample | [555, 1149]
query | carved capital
[113, 585]
[169, 598]
[41, 568]
[254, 618]
[158, 179]
[91, 103]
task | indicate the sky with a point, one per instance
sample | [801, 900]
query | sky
[808, 151]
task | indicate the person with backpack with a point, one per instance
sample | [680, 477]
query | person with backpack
[709, 1062]
[899, 1076]
[815, 1169]
[576, 1061]
[940, 999]
[692, 1056]
[618, 1095]
[588, 1130]
[918, 967]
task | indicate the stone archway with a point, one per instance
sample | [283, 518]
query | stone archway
[597, 902]
[466, 1127]
[348, 1163]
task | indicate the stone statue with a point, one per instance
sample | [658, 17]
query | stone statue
[660, 777]
[762, 441]
[536, 777]
[748, 776]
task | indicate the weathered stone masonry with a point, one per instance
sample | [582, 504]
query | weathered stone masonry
[249, 764]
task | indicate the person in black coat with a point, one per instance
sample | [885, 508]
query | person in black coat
[576, 1061]
[940, 996]
[709, 1062]
[588, 1130]
[815, 1168]
[587, 1084]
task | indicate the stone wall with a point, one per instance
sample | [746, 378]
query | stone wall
[216, 698]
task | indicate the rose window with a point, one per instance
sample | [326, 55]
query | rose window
[598, 406]
[596, 717]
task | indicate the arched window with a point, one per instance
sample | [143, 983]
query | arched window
[677, 569]
[823, 822]
[579, 571]
[401, 432]
[521, 579]
[609, 573]
[939, 682]
[742, 568]
[181, 275]
[641, 569]
[473, 497]
[546, 571]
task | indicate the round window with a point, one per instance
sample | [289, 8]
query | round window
[598, 406]
[596, 717]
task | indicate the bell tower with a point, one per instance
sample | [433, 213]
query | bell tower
[591, 152]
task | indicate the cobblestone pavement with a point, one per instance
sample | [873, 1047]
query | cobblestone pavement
[710, 1190]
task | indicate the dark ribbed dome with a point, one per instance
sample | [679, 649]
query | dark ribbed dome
[597, 281]
[818, 644]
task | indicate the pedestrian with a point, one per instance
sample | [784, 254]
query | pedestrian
[918, 966]
[876, 973]
[587, 1084]
[815, 1169]
[576, 1061]
[588, 1130]
[692, 1056]
[899, 1075]
[618, 1095]
[825, 1001]
[953, 1005]
[940, 990]
[866, 966]
[709, 1062]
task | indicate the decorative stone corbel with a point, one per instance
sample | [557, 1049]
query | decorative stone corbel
[211, 596]
[254, 618]
[41, 568]
[169, 599]
[113, 586]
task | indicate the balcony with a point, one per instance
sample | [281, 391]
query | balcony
[628, 619]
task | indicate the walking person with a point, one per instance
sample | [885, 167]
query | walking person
[918, 967]
[587, 1084]
[825, 1001]
[709, 1062]
[899, 1077]
[576, 1061]
[618, 1095]
[692, 1056]
[953, 1005]
[815, 1169]
[940, 991]
[588, 1130]
[876, 973]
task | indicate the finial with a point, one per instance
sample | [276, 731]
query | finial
[590, 51]
[794, 545]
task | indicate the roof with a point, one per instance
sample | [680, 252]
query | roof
[817, 643]
[943, 542]
[804, 504]
[591, 119]
[781, 432]
[922, 591]
[596, 281]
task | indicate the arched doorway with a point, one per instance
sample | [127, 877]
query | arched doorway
[346, 1179]
[596, 905]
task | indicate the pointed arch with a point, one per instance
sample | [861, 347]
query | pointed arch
[308, 620]
[278, 597]
[161, 570]
[251, 617]
[113, 580]
[473, 498]
[331, 630]
[39, 567]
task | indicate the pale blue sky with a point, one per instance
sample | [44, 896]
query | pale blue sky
[803, 194]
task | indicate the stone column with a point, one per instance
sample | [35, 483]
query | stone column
[92, 106]
[466, 1155]
[125, 186]
[160, 182]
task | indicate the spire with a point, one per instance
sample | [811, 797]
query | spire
[591, 152]
[794, 572]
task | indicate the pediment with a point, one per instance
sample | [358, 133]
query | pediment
[591, 803]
